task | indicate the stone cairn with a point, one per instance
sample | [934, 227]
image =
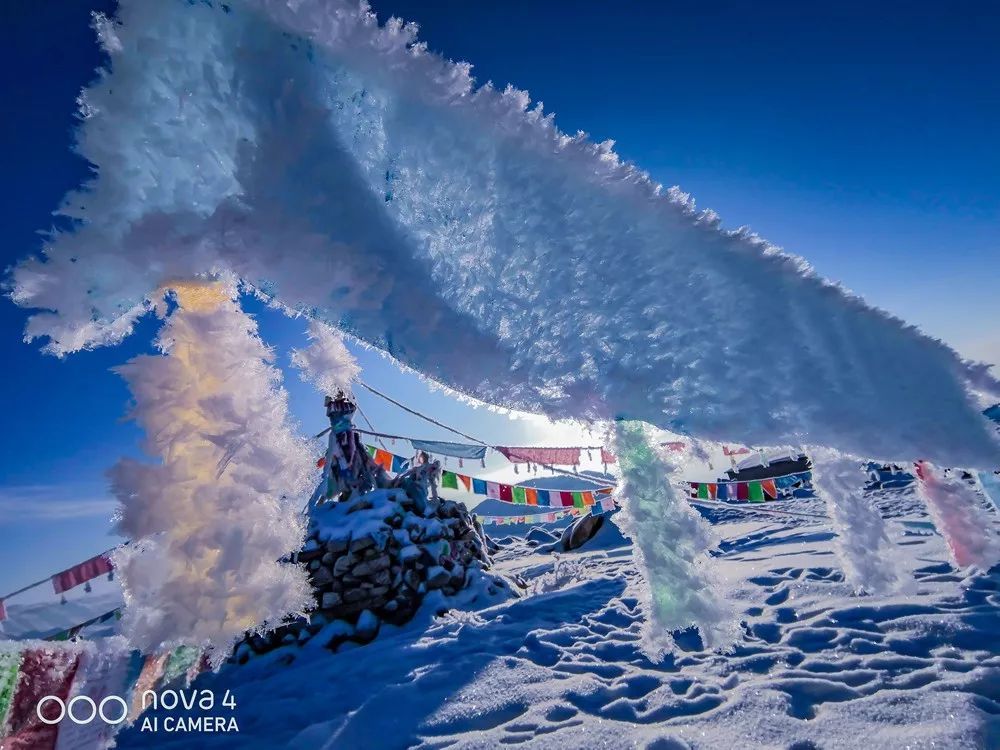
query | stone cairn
[378, 546]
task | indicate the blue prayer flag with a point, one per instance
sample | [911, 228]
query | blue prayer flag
[543, 497]
[478, 486]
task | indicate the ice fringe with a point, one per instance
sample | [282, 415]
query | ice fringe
[326, 362]
[211, 520]
[862, 544]
[958, 514]
[360, 177]
[670, 544]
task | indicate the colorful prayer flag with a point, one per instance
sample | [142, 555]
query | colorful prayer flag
[42, 672]
[493, 490]
[520, 497]
[479, 487]
[578, 500]
[465, 480]
[85, 571]
[702, 491]
[608, 504]
[3, 616]
[713, 489]
[10, 663]
[742, 492]
[693, 489]
[371, 450]
[399, 464]
[588, 498]
[383, 459]
[449, 480]
[531, 496]
[506, 493]
[756, 493]
[722, 491]
[543, 497]
[607, 457]
[566, 499]
[769, 489]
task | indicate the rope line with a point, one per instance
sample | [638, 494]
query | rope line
[416, 413]
[48, 579]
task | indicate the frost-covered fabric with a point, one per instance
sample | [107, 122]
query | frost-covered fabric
[670, 544]
[211, 519]
[959, 515]
[862, 543]
[326, 362]
[344, 169]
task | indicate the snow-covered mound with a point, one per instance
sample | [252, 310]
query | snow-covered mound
[379, 557]
[563, 667]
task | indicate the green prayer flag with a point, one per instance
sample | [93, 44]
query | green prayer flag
[371, 450]
[578, 500]
[519, 496]
[449, 479]
[702, 491]
[756, 492]
[10, 662]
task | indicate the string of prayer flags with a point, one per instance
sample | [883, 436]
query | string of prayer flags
[753, 491]
[81, 573]
[498, 490]
[603, 506]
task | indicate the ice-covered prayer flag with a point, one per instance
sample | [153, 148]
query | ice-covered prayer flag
[81, 573]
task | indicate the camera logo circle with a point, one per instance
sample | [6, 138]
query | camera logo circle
[86, 714]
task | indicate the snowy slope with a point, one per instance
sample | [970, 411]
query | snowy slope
[562, 668]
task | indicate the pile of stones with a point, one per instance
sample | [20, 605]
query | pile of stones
[377, 557]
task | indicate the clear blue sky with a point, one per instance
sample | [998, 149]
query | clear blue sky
[861, 138]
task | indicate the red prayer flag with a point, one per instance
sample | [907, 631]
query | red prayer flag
[85, 571]
[467, 481]
[383, 459]
[742, 491]
[712, 490]
[563, 456]
[3, 611]
[566, 498]
[506, 493]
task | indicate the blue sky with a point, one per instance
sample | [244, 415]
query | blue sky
[863, 139]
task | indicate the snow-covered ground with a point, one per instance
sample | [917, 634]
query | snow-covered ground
[817, 667]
